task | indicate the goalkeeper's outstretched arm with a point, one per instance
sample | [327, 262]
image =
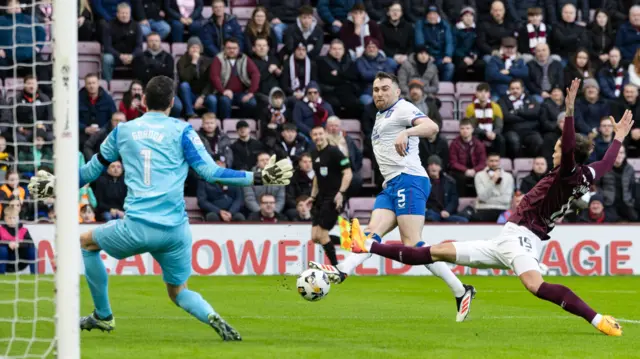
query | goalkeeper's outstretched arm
[108, 153]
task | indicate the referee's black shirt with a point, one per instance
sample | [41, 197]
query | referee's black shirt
[328, 165]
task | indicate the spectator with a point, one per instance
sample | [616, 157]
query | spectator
[43, 14]
[578, 67]
[30, 110]
[436, 34]
[467, 156]
[311, 111]
[603, 140]
[269, 67]
[220, 203]
[122, 41]
[195, 88]
[550, 122]
[505, 67]
[95, 106]
[266, 212]
[21, 40]
[521, 122]
[628, 101]
[184, 15]
[305, 31]
[465, 56]
[397, 33]
[298, 71]
[220, 28]
[6, 158]
[442, 204]
[111, 192]
[590, 109]
[338, 80]
[419, 65]
[38, 156]
[106, 10]
[425, 104]
[253, 194]
[558, 6]
[634, 70]
[357, 28]
[602, 37]
[11, 190]
[337, 137]
[154, 19]
[545, 73]
[86, 25]
[131, 105]
[334, 13]
[17, 249]
[153, 62]
[487, 119]
[245, 149]
[596, 212]
[216, 142]
[434, 145]
[273, 117]
[567, 36]
[302, 210]
[92, 145]
[533, 33]
[617, 188]
[258, 27]
[515, 202]
[372, 62]
[87, 214]
[612, 77]
[628, 36]
[493, 30]
[284, 14]
[235, 77]
[495, 190]
[301, 184]
[537, 172]
[291, 145]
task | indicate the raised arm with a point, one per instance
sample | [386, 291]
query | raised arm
[622, 129]
[108, 153]
[568, 142]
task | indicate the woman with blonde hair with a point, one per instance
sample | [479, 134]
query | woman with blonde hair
[86, 30]
[634, 70]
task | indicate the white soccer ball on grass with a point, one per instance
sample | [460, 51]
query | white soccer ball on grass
[313, 285]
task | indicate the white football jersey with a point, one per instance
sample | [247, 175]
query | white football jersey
[389, 124]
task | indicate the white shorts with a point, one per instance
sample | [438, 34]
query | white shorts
[516, 248]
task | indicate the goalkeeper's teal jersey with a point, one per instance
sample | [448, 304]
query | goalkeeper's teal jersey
[156, 152]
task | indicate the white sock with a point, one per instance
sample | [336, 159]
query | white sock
[441, 270]
[368, 243]
[596, 320]
[353, 260]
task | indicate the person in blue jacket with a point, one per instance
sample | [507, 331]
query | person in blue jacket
[628, 35]
[369, 64]
[504, 66]
[220, 27]
[436, 34]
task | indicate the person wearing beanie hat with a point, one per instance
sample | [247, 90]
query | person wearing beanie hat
[246, 148]
[311, 110]
[590, 109]
[397, 33]
[194, 87]
[437, 35]
[355, 42]
[465, 55]
[369, 64]
[181, 18]
[419, 66]
[596, 212]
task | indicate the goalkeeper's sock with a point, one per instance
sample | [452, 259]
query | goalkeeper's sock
[193, 303]
[330, 252]
[97, 278]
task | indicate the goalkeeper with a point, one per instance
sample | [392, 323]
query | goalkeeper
[156, 151]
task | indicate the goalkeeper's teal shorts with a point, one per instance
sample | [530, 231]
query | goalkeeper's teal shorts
[169, 246]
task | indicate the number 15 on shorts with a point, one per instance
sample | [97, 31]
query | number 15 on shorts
[526, 243]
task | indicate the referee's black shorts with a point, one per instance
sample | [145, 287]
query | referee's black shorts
[324, 213]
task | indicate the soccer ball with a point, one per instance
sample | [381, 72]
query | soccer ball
[313, 285]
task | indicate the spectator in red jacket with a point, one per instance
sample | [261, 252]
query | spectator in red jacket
[131, 104]
[236, 78]
[467, 155]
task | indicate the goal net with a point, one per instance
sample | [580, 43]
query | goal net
[38, 127]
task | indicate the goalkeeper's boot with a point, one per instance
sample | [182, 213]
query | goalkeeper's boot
[226, 332]
[345, 233]
[92, 321]
[334, 274]
[609, 326]
[358, 238]
[463, 303]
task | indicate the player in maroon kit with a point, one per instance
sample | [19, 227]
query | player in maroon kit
[518, 245]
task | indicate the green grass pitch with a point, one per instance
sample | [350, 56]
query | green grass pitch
[366, 317]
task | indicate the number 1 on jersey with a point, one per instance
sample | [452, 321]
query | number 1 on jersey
[147, 166]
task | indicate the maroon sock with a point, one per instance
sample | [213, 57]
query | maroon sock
[567, 299]
[403, 254]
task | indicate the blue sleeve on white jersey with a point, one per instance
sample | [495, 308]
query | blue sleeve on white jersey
[199, 159]
[95, 167]
[407, 113]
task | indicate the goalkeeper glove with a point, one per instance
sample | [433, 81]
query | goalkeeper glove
[42, 184]
[274, 173]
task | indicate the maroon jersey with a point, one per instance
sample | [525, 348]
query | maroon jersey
[552, 196]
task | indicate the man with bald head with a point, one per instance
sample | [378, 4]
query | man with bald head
[492, 31]
[544, 74]
[628, 37]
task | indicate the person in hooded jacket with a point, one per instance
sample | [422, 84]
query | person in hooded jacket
[304, 31]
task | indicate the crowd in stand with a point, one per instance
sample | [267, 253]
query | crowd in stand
[274, 71]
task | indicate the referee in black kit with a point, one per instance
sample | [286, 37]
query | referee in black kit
[333, 176]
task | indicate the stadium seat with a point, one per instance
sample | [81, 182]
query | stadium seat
[505, 164]
[367, 174]
[360, 207]
[118, 88]
[193, 210]
[11, 85]
[465, 91]
[239, 3]
[178, 49]
[450, 129]
[325, 50]
[521, 168]
[352, 128]
[89, 58]
[243, 14]
[207, 11]
[196, 123]
[464, 202]
[635, 163]
[446, 94]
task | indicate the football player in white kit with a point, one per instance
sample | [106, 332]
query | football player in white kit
[402, 203]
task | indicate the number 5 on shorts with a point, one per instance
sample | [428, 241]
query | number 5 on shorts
[401, 198]
[525, 243]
